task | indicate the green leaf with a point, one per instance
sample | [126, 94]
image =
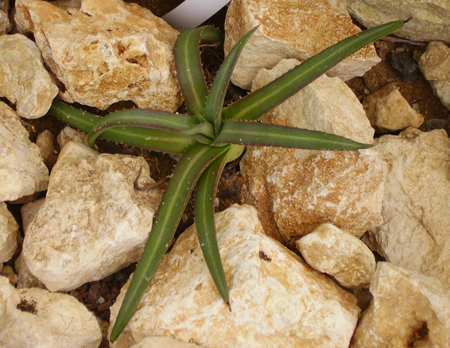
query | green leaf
[263, 134]
[216, 97]
[204, 221]
[186, 174]
[153, 139]
[254, 105]
[189, 69]
[167, 121]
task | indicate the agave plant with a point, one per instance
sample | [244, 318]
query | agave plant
[208, 137]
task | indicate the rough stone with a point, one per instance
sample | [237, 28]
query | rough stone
[105, 52]
[5, 24]
[45, 141]
[38, 318]
[8, 233]
[95, 220]
[69, 134]
[162, 342]
[277, 300]
[335, 252]
[297, 190]
[408, 309]
[389, 111]
[23, 78]
[415, 231]
[313, 26]
[21, 166]
[327, 105]
[435, 66]
[427, 19]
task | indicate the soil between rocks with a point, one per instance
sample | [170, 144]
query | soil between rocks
[100, 295]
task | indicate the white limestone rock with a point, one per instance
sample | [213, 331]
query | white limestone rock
[95, 220]
[415, 230]
[105, 52]
[9, 230]
[39, 318]
[277, 300]
[335, 252]
[290, 29]
[69, 134]
[162, 342]
[23, 78]
[427, 19]
[45, 141]
[389, 111]
[22, 171]
[435, 66]
[28, 211]
[297, 190]
[408, 309]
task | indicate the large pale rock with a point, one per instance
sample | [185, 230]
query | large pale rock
[22, 171]
[415, 230]
[389, 111]
[277, 300]
[95, 219]
[327, 105]
[38, 318]
[407, 310]
[290, 29]
[435, 66]
[106, 51]
[162, 342]
[336, 252]
[9, 230]
[295, 191]
[427, 19]
[23, 78]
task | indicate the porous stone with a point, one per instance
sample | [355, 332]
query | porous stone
[21, 168]
[95, 220]
[427, 20]
[297, 190]
[23, 78]
[105, 52]
[163, 342]
[8, 233]
[435, 66]
[277, 300]
[5, 24]
[290, 29]
[335, 252]
[389, 111]
[407, 310]
[39, 318]
[414, 233]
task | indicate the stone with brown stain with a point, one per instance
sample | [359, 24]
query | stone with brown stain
[105, 52]
[281, 303]
[389, 111]
[290, 29]
[407, 310]
[39, 318]
[336, 252]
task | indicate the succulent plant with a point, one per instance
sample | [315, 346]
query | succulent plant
[208, 137]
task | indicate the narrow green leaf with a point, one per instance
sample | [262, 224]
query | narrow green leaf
[204, 221]
[254, 105]
[216, 97]
[186, 174]
[263, 134]
[174, 123]
[189, 69]
[153, 139]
